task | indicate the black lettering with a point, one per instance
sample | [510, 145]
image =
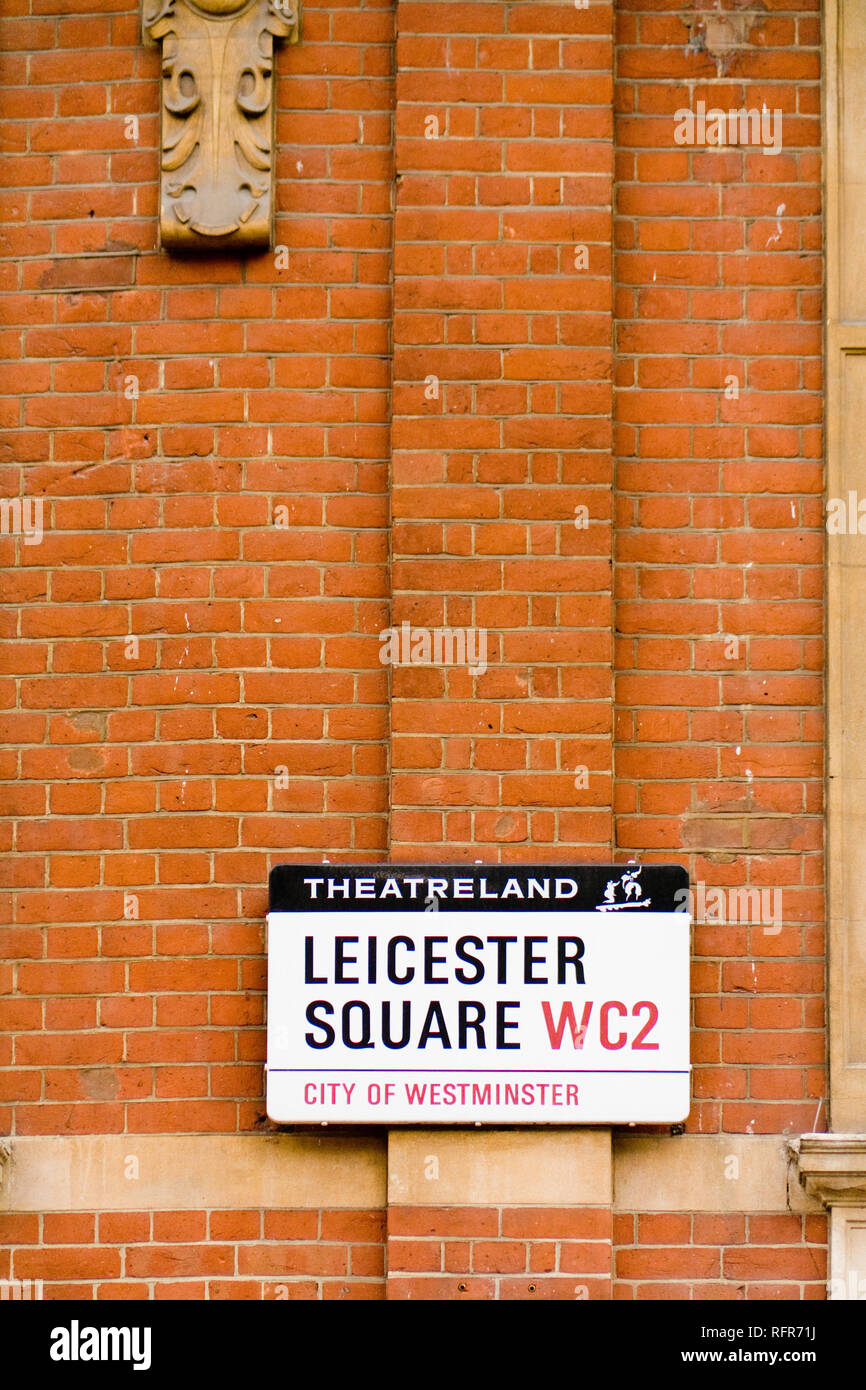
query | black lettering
[464, 1023]
[342, 958]
[309, 977]
[574, 959]
[529, 960]
[502, 1022]
[386, 1024]
[392, 966]
[434, 1014]
[501, 943]
[372, 944]
[320, 1023]
[461, 954]
[364, 1040]
[430, 960]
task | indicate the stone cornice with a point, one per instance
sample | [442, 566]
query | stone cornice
[832, 1167]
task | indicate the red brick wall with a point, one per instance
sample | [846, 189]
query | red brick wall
[487, 474]
[140, 803]
[273, 1254]
[501, 1252]
[719, 529]
[737, 1256]
[140, 806]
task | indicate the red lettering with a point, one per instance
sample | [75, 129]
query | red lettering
[556, 1031]
[650, 1023]
[606, 1040]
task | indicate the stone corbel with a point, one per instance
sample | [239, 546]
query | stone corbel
[832, 1167]
[217, 118]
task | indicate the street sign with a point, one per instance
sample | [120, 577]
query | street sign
[421, 994]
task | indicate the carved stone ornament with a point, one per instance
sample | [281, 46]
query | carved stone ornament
[832, 1167]
[217, 128]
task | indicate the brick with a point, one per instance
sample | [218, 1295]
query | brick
[443, 1221]
[60, 1228]
[353, 1290]
[177, 1260]
[234, 1289]
[776, 1230]
[664, 1230]
[418, 1256]
[179, 1225]
[353, 1226]
[291, 1225]
[498, 1257]
[558, 1223]
[122, 1291]
[124, 1227]
[19, 1228]
[189, 1289]
[66, 1262]
[367, 1260]
[235, 1225]
[649, 1262]
[774, 1262]
[718, 1230]
[528, 1289]
[585, 1257]
[274, 1260]
[444, 1288]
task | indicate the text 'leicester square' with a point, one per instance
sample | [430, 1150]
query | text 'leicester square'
[422, 994]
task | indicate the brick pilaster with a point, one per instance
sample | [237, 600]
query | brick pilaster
[501, 499]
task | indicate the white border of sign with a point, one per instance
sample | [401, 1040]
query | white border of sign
[478, 1016]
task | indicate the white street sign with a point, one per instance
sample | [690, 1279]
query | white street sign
[538, 994]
